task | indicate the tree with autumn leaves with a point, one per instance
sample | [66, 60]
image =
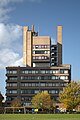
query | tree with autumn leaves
[70, 96]
[42, 100]
[16, 102]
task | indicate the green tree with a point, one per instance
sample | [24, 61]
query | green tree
[70, 96]
[42, 100]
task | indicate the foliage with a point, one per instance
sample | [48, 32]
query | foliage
[1, 99]
[16, 103]
[42, 100]
[70, 95]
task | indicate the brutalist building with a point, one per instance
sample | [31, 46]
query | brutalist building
[43, 70]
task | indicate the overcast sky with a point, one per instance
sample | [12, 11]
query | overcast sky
[46, 15]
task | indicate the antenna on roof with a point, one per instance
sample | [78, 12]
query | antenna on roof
[38, 30]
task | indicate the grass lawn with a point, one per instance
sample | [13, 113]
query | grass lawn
[39, 116]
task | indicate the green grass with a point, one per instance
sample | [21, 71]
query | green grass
[39, 116]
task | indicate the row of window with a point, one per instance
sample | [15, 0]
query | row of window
[12, 78]
[29, 98]
[35, 84]
[22, 98]
[44, 77]
[37, 91]
[40, 57]
[42, 84]
[11, 84]
[40, 46]
[40, 78]
[41, 52]
[45, 71]
[55, 91]
[26, 98]
[61, 71]
[12, 71]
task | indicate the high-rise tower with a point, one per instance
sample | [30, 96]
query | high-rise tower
[36, 49]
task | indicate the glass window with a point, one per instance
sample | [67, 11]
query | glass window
[33, 57]
[36, 46]
[26, 71]
[14, 72]
[57, 84]
[33, 52]
[49, 84]
[33, 84]
[42, 84]
[42, 71]
[36, 91]
[12, 78]
[53, 77]
[33, 71]
[61, 71]
[29, 84]
[12, 91]
[37, 84]
[65, 71]
[62, 77]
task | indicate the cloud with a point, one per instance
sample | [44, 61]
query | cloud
[9, 33]
[6, 2]
[5, 9]
[10, 45]
[9, 58]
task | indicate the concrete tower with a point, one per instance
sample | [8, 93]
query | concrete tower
[59, 40]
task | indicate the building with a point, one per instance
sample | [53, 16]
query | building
[43, 69]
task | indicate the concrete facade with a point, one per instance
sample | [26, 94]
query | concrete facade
[43, 69]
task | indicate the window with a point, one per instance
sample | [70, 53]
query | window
[53, 78]
[57, 84]
[33, 84]
[33, 57]
[36, 91]
[42, 71]
[26, 71]
[12, 78]
[12, 71]
[42, 84]
[33, 71]
[37, 84]
[36, 46]
[49, 84]
[12, 91]
[62, 71]
[64, 77]
[29, 84]
[65, 71]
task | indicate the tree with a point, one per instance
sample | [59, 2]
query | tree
[70, 96]
[16, 103]
[42, 100]
[1, 99]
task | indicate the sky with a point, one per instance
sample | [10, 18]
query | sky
[46, 15]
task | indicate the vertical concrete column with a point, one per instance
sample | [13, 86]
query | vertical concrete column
[59, 40]
[25, 29]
